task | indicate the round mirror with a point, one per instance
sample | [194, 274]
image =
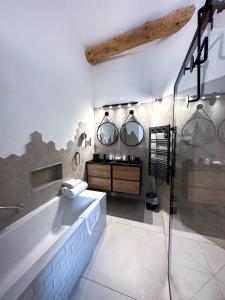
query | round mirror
[198, 132]
[107, 133]
[132, 133]
[221, 131]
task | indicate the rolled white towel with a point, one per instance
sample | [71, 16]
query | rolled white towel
[72, 183]
[72, 193]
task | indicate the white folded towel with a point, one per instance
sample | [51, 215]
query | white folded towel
[72, 193]
[72, 183]
[91, 215]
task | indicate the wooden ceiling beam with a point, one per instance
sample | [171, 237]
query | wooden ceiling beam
[138, 36]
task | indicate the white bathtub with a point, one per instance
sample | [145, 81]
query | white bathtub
[29, 244]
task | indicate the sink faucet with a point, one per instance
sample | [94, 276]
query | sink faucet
[19, 206]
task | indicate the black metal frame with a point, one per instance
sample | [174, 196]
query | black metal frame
[205, 16]
[160, 168]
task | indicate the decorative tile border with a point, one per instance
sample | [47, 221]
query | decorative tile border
[15, 172]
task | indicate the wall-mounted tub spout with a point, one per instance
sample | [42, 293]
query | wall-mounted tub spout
[19, 206]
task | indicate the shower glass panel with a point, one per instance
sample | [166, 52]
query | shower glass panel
[197, 221]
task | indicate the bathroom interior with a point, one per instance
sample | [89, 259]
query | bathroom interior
[112, 157]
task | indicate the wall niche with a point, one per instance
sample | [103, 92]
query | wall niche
[43, 177]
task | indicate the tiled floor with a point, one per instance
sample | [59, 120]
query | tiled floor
[197, 268]
[133, 209]
[129, 262]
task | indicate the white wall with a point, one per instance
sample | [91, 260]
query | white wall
[44, 77]
[124, 78]
[45, 80]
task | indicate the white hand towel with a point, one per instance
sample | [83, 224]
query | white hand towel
[72, 183]
[72, 193]
[91, 215]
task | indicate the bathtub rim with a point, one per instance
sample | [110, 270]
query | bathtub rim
[27, 217]
[16, 288]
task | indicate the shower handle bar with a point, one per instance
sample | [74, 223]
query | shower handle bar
[20, 206]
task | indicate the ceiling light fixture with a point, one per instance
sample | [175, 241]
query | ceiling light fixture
[129, 104]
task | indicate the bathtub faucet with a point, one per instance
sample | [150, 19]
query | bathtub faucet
[19, 206]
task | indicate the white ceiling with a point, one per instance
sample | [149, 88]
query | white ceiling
[141, 73]
[97, 20]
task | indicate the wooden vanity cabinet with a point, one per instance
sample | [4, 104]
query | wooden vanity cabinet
[126, 179]
[99, 176]
[114, 177]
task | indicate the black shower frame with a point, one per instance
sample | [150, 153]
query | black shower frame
[205, 16]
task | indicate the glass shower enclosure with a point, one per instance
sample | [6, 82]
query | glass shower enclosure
[197, 219]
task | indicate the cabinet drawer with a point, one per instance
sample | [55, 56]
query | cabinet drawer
[99, 183]
[125, 186]
[127, 172]
[206, 196]
[206, 179]
[98, 170]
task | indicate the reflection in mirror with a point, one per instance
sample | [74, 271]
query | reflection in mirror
[107, 133]
[132, 133]
[199, 130]
[221, 131]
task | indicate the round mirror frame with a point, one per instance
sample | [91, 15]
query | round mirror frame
[141, 128]
[199, 145]
[117, 131]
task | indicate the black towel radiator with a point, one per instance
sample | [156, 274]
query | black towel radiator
[162, 152]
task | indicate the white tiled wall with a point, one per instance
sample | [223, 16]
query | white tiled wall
[58, 278]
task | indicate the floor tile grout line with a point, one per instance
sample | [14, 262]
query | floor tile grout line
[219, 287]
[196, 240]
[166, 249]
[201, 247]
[196, 260]
[105, 286]
[200, 288]
[167, 255]
[219, 270]
[218, 281]
[192, 269]
[164, 230]
[161, 232]
[214, 274]
[213, 277]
